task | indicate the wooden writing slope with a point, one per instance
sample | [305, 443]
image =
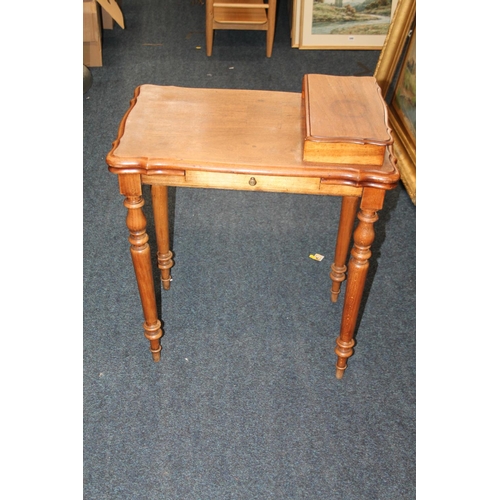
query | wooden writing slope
[343, 121]
[256, 140]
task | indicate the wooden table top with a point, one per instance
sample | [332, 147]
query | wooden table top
[171, 129]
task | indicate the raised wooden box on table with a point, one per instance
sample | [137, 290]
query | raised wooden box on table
[345, 123]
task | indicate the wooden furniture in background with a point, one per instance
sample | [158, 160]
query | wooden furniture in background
[107, 19]
[92, 37]
[253, 140]
[240, 15]
[98, 14]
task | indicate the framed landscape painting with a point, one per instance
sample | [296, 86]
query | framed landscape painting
[345, 24]
[396, 74]
[404, 100]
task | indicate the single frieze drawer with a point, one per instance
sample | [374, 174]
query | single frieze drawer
[249, 182]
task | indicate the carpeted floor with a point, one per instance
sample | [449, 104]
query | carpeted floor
[244, 403]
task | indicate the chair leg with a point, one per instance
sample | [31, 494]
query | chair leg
[209, 26]
[210, 41]
[269, 42]
[271, 26]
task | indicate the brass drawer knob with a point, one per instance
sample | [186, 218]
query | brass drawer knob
[252, 181]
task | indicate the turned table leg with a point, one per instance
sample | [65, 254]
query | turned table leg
[160, 213]
[347, 216]
[371, 201]
[130, 187]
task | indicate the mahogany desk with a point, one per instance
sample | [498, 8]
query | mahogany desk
[246, 140]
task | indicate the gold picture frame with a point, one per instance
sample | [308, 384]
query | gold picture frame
[397, 54]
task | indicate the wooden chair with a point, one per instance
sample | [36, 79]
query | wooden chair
[240, 15]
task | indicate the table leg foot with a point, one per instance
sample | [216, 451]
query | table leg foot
[347, 217]
[343, 350]
[154, 333]
[337, 276]
[160, 213]
[156, 354]
[165, 283]
[165, 262]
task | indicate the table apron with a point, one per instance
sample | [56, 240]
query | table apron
[249, 182]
